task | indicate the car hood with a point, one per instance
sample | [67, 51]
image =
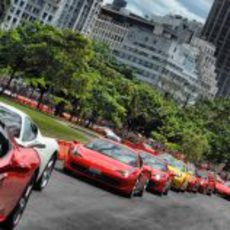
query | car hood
[157, 171]
[223, 188]
[100, 160]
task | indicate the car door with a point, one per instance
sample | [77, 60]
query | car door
[12, 180]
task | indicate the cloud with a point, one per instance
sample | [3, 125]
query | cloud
[192, 9]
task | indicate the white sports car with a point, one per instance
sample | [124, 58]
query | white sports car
[27, 134]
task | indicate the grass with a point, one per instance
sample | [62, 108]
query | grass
[48, 125]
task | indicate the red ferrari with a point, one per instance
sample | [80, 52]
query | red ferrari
[18, 168]
[140, 146]
[110, 163]
[161, 177]
[223, 189]
[206, 181]
[194, 181]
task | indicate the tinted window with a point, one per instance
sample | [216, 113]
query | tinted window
[116, 152]
[153, 162]
[4, 145]
[168, 158]
[12, 121]
[180, 166]
[227, 184]
[30, 131]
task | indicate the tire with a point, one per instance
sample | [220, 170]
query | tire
[66, 171]
[205, 191]
[184, 187]
[45, 177]
[167, 188]
[138, 189]
[14, 218]
[209, 192]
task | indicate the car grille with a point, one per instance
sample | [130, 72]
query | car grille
[102, 177]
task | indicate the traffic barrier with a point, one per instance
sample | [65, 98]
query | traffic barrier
[64, 147]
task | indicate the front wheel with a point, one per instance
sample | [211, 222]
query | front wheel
[167, 188]
[138, 189]
[210, 192]
[45, 177]
[15, 217]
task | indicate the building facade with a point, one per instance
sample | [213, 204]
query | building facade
[183, 28]
[217, 31]
[72, 14]
[157, 55]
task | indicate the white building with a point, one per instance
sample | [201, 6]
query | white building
[183, 28]
[73, 14]
[157, 55]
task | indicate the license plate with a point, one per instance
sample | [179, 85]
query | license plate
[95, 171]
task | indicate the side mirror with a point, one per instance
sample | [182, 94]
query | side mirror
[141, 163]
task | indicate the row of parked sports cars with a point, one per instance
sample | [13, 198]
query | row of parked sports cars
[27, 160]
[133, 168]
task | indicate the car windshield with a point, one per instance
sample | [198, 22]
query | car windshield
[202, 173]
[228, 184]
[168, 158]
[117, 152]
[191, 169]
[179, 165]
[12, 121]
[153, 162]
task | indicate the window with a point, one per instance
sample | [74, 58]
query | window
[15, 20]
[22, 3]
[114, 151]
[12, 121]
[50, 18]
[4, 145]
[18, 12]
[30, 131]
[44, 15]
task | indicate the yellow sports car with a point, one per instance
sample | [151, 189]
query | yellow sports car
[182, 177]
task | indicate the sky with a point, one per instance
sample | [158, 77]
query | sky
[192, 9]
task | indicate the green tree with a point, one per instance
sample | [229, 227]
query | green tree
[12, 54]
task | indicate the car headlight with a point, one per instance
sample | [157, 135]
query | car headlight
[158, 177]
[179, 174]
[202, 182]
[75, 151]
[126, 173]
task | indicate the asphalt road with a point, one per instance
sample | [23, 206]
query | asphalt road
[70, 204]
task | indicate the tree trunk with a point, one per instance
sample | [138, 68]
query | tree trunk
[73, 112]
[40, 98]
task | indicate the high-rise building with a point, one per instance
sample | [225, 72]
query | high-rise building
[217, 31]
[158, 56]
[73, 14]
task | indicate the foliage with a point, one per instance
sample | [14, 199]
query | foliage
[84, 78]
